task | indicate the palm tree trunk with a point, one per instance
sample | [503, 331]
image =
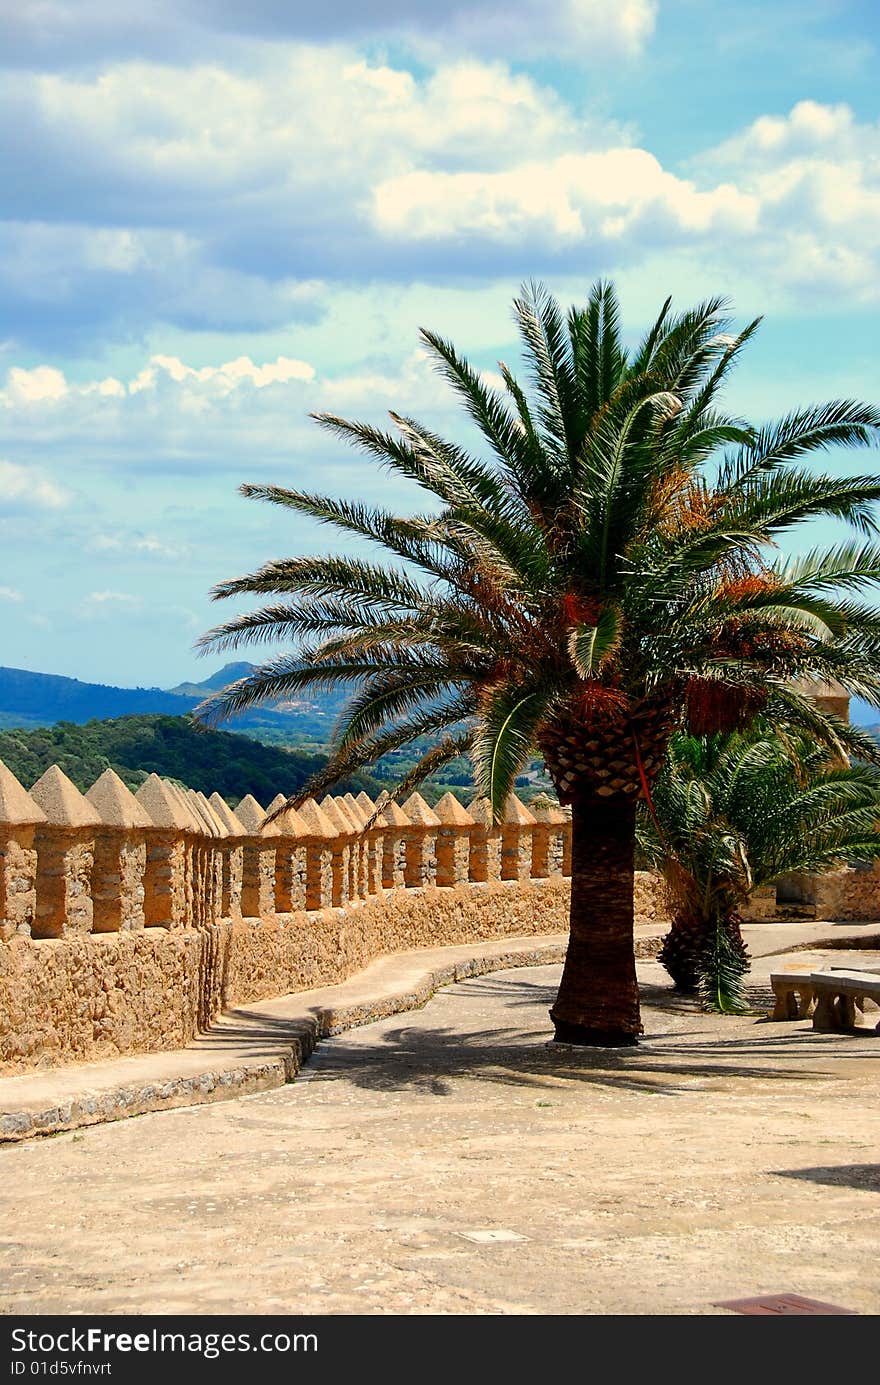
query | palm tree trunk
[598, 1000]
[681, 951]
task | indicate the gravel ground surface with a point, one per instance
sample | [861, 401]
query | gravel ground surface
[449, 1161]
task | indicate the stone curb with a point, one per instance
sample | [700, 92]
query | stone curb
[281, 1033]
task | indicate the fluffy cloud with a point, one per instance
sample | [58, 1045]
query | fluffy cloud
[138, 546]
[169, 416]
[66, 33]
[604, 199]
[26, 488]
[221, 198]
[34, 386]
[10, 594]
[212, 199]
[795, 198]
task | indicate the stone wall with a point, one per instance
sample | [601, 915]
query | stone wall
[128, 922]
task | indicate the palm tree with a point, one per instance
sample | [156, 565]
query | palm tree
[594, 581]
[730, 813]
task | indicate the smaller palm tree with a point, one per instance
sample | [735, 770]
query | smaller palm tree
[732, 812]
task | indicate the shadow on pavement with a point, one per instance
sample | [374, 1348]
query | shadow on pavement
[864, 1176]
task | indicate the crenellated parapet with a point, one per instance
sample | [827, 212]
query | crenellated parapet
[128, 921]
[168, 857]
[74, 865]
[20, 817]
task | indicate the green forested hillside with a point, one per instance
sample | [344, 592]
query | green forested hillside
[173, 747]
[41, 699]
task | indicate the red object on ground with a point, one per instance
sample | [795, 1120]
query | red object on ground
[782, 1303]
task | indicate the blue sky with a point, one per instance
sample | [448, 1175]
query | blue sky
[220, 216]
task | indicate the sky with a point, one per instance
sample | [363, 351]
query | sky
[219, 216]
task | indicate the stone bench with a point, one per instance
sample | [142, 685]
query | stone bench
[838, 994]
[794, 991]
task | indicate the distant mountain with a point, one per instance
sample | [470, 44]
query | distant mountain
[229, 673]
[173, 747]
[30, 699]
[47, 698]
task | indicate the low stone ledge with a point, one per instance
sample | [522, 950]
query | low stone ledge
[259, 1047]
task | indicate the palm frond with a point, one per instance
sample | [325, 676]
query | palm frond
[840, 422]
[592, 646]
[502, 740]
[548, 356]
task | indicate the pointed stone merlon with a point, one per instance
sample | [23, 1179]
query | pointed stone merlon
[166, 888]
[19, 818]
[548, 840]
[119, 870]
[485, 862]
[231, 858]
[357, 847]
[566, 843]
[65, 845]
[453, 841]
[320, 838]
[761, 905]
[420, 860]
[290, 859]
[199, 860]
[258, 860]
[395, 826]
[343, 859]
[216, 857]
[364, 883]
[828, 696]
[517, 831]
[373, 831]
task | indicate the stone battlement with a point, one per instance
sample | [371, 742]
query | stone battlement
[107, 861]
[129, 921]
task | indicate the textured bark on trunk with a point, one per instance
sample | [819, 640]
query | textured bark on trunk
[681, 952]
[687, 941]
[598, 1000]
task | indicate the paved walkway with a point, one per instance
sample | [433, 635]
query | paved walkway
[264, 1044]
[252, 1048]
[448, 1161]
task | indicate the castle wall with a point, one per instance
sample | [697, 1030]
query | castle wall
[127, 924]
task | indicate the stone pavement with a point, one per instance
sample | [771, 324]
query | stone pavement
[264, 1045]
[449, 1161]
[251, 1048]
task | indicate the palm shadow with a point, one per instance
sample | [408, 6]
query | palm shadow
[862, 1176]
[412, 1056]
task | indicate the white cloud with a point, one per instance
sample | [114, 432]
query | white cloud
[815, 175]
[795, 198]
[575, 198]
[66, 33]
[240, 414]
[211, 198]
[35, 386]
[10, 594]
[106, 598]
[307, 117]
[228, 376]
[145, 545]
[46, 384]
[809, 130]
[23, 488]
[214, 198]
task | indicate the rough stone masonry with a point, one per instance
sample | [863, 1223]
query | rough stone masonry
[128, 922]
